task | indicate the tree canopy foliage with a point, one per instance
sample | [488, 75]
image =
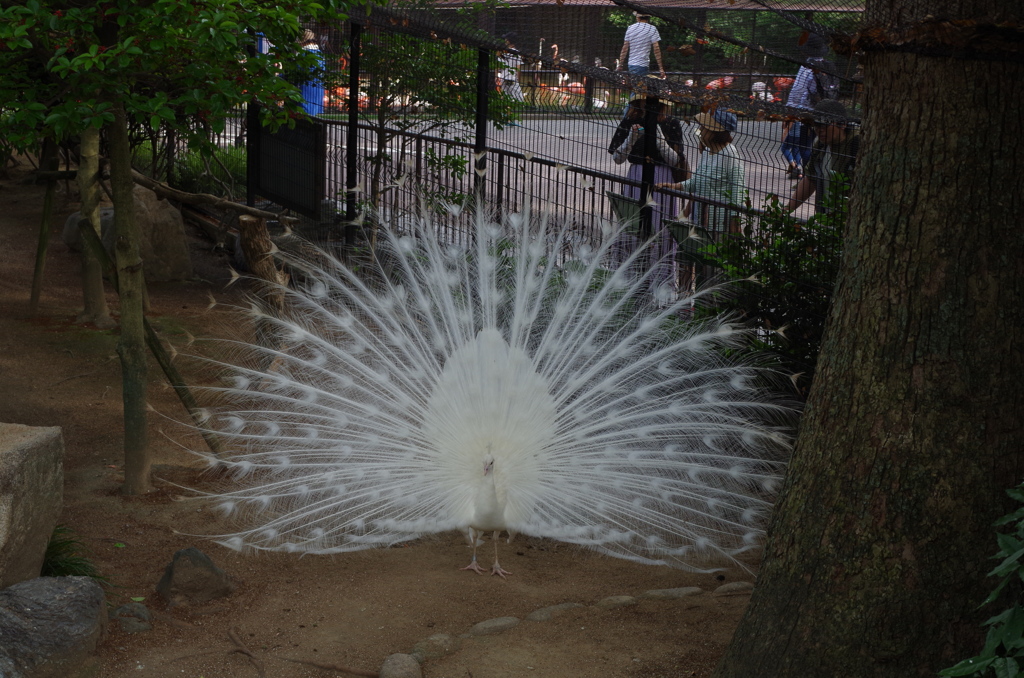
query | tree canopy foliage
[182, 64]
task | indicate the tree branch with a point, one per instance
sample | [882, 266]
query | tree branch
[166, 191]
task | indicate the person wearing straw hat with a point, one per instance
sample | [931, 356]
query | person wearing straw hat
[833, 158]
[719, 174]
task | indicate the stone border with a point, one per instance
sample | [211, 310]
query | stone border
[409, 665]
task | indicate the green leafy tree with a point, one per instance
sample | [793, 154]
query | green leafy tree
[426, 85]
[183, 65]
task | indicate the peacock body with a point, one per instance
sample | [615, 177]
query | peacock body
[485, 388]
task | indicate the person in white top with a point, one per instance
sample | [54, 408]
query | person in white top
[641, 38]
[509, 63]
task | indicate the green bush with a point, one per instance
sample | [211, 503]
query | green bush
[221, 171]
[216, 169]
[1003, 652]
[786, 273]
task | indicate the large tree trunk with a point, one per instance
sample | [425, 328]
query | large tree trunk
[95, 309]
[877, 553]
[132, 346]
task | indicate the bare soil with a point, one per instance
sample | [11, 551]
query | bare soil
[348, 610]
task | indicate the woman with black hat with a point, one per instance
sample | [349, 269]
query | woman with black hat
[628, 145]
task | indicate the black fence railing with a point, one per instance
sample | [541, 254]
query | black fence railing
[405, 120]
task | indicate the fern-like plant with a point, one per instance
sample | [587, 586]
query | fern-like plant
[1003, 652]
[64, 557]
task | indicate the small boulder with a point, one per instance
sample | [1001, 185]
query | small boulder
[492, 626]
[671, 594]
[191, 577]
[436, 646]
[734, 588]
[400, 666]
[133, 617]
[162, 243]
[50, 626]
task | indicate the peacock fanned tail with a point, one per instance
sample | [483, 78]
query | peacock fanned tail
[612, 423]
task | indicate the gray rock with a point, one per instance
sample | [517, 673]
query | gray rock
[133, 617]
[400, 666]
[31, 493]
[192, 577]
[612, 602]
[437, 645]
[162, 245]
[164, 248]
[734, 588]
[492, 626]
[547, 613]
[671, 594]
[49, 626]
[72, 236]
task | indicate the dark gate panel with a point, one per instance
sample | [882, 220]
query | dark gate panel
[288, 165]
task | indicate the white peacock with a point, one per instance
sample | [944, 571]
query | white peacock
[487, 389]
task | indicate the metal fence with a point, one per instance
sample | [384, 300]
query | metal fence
[412, 115]
[414, 110]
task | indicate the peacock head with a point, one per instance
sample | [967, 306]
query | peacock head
[488, 463]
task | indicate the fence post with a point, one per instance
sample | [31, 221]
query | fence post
[484, 84]
[352, 140]
[253, 135]
[647, 177]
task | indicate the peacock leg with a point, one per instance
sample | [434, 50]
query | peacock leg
[473, 565]
[496, 568]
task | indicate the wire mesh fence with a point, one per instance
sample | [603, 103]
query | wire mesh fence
[556, 94]
[430, 106]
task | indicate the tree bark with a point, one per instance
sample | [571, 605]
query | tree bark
[95, 309]
[132, 346]
[259, 256]
[878, 550]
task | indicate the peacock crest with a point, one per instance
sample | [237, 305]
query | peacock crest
[493, 387]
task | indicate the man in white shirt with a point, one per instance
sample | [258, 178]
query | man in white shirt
[640, 39]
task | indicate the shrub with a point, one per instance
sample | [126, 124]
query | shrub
[787, 272]
[221, 171]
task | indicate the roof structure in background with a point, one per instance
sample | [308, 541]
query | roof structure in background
[731, 5]
[590, 42]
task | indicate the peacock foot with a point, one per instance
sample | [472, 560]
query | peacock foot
[496, 569]
[475, 567]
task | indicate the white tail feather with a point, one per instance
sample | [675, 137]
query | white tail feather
[610, 422]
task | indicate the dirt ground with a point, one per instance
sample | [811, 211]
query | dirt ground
[348, 610]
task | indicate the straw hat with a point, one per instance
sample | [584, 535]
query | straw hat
[719, 121]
